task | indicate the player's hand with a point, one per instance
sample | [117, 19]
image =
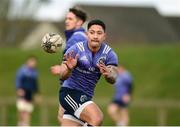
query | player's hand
[71, 61]
[126, 98]
[20, 92]
[103, 69]
[109, 72]
[56, 69]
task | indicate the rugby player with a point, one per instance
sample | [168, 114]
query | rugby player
[83, 66]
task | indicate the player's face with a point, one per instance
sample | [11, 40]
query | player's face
[96, 36]
[71, 21]
[31, 63]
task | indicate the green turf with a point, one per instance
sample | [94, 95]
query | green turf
[155, 69]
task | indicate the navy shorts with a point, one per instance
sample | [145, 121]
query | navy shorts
[28, 96]
[73, 101]
[121, 103]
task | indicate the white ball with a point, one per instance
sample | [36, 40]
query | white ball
[51, 42]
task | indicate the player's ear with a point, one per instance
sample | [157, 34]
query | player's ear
[80, 22]
[105, 36]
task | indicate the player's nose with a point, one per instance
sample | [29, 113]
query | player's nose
[95, 36]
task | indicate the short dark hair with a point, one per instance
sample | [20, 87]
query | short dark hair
[97, 22]
[79, 13]
[31, 57]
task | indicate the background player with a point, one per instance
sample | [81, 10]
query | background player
[74, 33]
[85, 62]
[123, 89]
[26, 87]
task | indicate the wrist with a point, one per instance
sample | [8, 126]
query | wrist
[66, 73]
[69, 69]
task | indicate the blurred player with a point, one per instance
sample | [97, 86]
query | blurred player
[84, 63]
[74, 33]
[26, 87]
[123, 89]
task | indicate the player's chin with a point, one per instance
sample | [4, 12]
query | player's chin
[95, 44]
[68, 27]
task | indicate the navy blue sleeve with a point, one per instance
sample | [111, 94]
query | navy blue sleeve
[112, 58]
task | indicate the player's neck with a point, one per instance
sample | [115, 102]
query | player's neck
[78, 27]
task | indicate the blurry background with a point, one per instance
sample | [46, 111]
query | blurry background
[144, 33]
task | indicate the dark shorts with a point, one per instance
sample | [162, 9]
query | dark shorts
[121, 103]
[28, 95]
[73, 101]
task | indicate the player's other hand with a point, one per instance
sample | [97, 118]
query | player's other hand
[56, 69]
[126, 98]
[71, 60]
[20, 92]
[103, 69]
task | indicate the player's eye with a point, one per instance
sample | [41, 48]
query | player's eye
[91, 32]
[99, 33]
[70, 18]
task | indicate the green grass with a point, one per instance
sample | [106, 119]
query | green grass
[155, 69]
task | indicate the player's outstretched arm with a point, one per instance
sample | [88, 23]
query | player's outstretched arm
[109, 72]
[64, 70]
[60, 70]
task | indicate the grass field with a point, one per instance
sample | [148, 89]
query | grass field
[155, 69]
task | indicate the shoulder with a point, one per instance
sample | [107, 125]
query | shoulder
[112, 58]
[77, 47]
[79, 35]
[75, 38]
[22, 70]
[126, 75]
[108, 50]
[81, 46]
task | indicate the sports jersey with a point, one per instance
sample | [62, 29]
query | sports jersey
[123, 85]
[74, 36]
[26, 79]
[86, 74]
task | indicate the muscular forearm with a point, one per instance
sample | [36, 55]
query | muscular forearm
[66, 72]
[61, 70]
[111, 75]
